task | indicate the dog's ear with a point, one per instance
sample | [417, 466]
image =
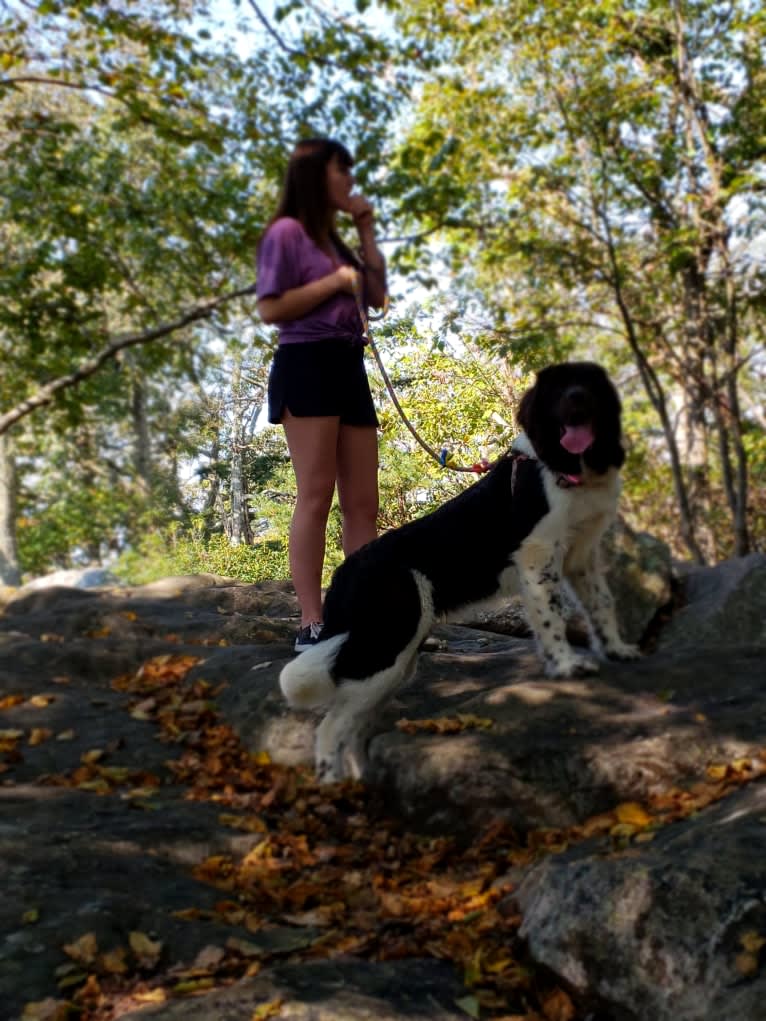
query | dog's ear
[607, 452]
[525, 411]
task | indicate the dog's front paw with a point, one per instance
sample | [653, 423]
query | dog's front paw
[572, 665]
[622, 650]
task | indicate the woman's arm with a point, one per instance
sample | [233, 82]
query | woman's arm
[298, 301]
[374, 261]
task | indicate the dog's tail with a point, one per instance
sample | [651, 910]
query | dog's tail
[306, 681]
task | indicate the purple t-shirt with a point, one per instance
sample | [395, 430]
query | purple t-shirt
[288, 258]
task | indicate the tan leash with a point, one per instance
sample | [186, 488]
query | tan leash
[442, 457]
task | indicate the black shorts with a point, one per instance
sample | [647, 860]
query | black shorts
[321, 378]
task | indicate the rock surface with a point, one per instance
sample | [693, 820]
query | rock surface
[671, 928]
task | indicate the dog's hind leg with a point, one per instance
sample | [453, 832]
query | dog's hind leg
[343, 735]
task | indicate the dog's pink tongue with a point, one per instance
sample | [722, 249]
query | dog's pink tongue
[577, 438]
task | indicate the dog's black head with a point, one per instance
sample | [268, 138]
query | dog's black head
[572, 418]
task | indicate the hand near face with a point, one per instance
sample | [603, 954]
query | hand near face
[360, 209]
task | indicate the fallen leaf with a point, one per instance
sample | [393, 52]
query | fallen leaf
[66, 735]
[209, 957]
[31, 916]
[267, 1010]
[632, 813]
[151, 996]
[114, 962]
[11, 700]
[38, 735]
[717, 772]
[91, 757]
[47, 1010]
[752, 941]
[195, 985]
[558, 1006]
[84, 950]
[469, 1005]
[146, 950]
[746, 964]
[41, 701]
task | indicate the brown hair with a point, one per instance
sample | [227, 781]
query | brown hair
[304, 193]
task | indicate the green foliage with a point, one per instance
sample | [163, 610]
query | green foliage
[168, 553]
[539, 167]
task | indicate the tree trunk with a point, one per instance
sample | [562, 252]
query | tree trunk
[142, 450]
[240, 519]
[9, 554]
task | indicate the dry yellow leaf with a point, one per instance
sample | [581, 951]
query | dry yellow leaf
[38, 735]
[11, 700]
[633, 814]
[66, 735]
[752, 941]
[11, 735]
[46, 1010]
[267, 1010]
[146, 950]
[40, 701]
[114, 962]
[623, 830]
[84, 950]
[746, 964]
[151, 996]
[31, 916]
[716, 772]
[195, 985]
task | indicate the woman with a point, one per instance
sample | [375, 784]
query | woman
[318, 388]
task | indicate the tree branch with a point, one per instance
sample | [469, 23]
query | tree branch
[89, 367]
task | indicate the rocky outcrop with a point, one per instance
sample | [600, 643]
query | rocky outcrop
[660, 921]
[723, 605]
[671, 931]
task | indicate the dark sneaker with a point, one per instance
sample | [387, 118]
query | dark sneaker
[308, 636]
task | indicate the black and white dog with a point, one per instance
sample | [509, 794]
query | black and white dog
[535, 519]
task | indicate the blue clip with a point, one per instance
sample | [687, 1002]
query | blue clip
[443, 455]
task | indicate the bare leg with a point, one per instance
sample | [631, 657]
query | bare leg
[358, 484]
[313, 444]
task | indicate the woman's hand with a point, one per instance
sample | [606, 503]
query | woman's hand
[360, 210]
[346, 278]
